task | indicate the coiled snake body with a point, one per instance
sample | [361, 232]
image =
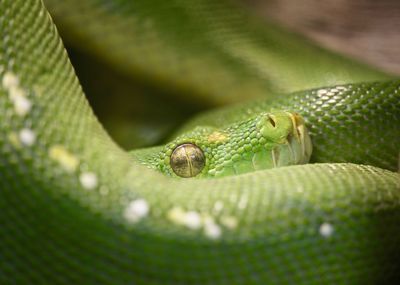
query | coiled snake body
[77, 209]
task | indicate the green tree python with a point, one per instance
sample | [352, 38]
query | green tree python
[75, 208]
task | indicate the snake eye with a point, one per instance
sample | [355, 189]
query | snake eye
[187, 160]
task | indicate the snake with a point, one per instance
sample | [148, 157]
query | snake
[291, 177]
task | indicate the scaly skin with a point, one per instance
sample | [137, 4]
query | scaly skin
[75, 208]
[235, 58]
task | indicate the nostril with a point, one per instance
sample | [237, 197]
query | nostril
[272, 121]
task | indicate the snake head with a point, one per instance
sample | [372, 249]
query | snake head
[266, 140]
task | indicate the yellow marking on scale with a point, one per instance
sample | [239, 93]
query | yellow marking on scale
[217, 137]
[176, 215]
[66, 159]
[18, 95]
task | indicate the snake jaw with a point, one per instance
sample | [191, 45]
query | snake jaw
[297, 122]
[305, 141]
[294, 143]
[300, 134]
[288, 140]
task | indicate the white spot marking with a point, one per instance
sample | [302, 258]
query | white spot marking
[322, 92]
[27, 137]
[67, 160]
[195, 221]
[326, 230]
[22, 105]
[10, 80]
[136, 210]
[192, 220]
[16, 92]
[88, 180]
[212, 230]
[341, 88]
[17, 95]
[176, 215]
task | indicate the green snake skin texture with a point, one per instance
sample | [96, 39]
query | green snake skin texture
[342, 121]
[225, 45]
[75, 208]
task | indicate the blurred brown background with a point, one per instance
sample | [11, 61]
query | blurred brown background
[368, 30]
